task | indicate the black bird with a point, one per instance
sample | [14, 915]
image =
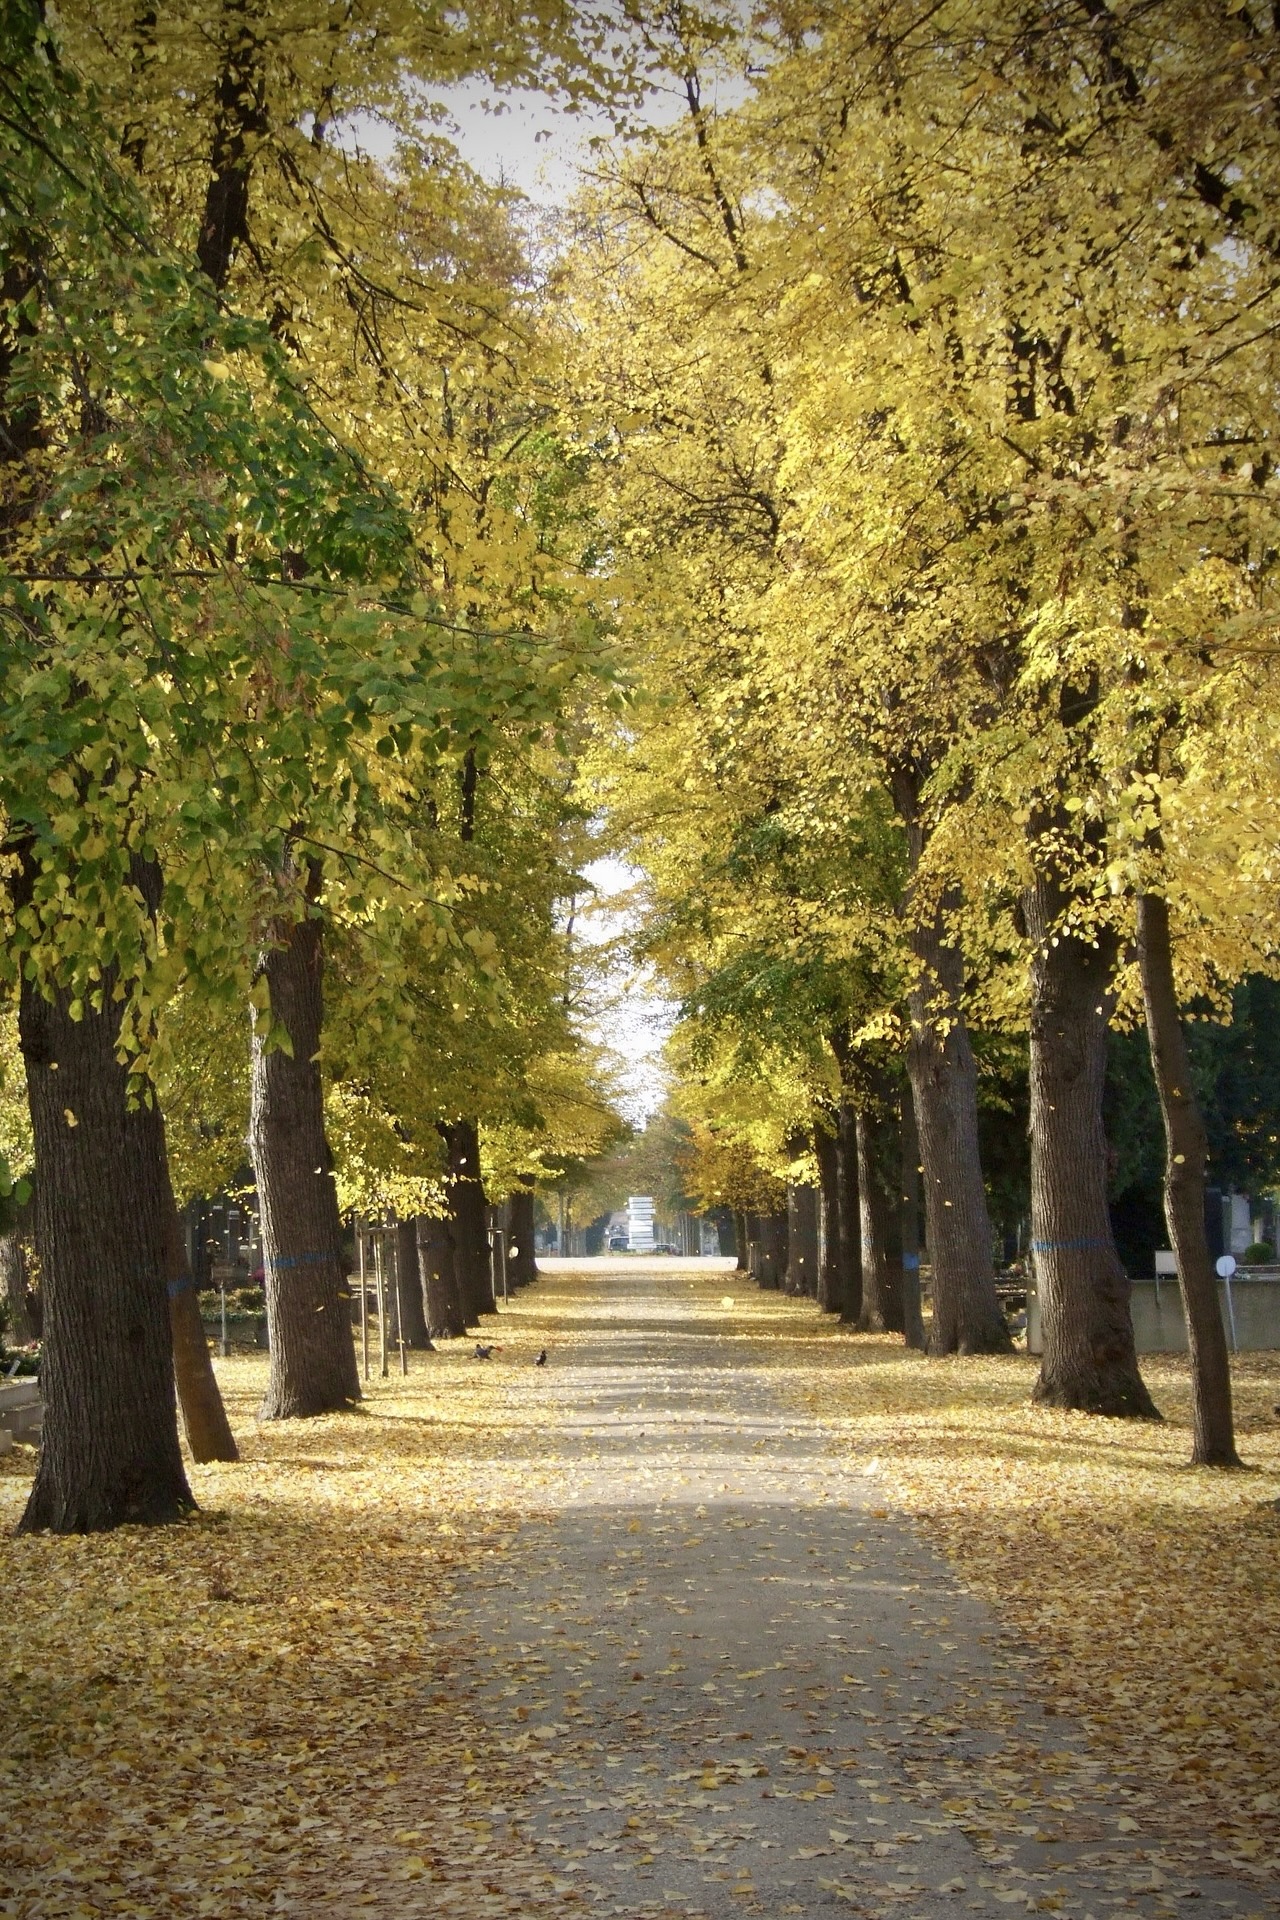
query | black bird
[541, 1360]
[483, 1353]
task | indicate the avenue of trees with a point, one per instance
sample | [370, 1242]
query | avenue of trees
[942, 376]
[869, 515]
[298, 624]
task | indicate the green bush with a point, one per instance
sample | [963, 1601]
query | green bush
[1260, 1254]
[243, 1303]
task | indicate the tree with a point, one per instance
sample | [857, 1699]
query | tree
[705, 503]
[152, 667]
[1023, 368]
[1213, 1443]
[391, 291]
[393, 295]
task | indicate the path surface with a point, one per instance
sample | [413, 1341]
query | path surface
[751, 1688]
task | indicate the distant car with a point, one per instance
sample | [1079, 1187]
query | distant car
[618, 1244]
[664, 1248]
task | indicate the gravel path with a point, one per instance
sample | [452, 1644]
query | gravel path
[751, 1688]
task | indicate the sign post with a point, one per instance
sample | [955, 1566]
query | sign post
[1226, 1267]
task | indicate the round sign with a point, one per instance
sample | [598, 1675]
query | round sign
[1226, 1266]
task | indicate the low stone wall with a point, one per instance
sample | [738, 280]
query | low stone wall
[21, 1410]
[243, 1329]
[1249, 1304]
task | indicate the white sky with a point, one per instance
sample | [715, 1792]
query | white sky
[634, 1019]
[527, 140]
[522, 140]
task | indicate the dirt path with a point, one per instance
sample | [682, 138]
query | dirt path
[751, 1688]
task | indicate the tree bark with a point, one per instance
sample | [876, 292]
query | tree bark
[944, 1086]
[13, 1288]
[802, 1241]
[877, 1307]
[741, 1262]
[409, 1288]
[313, 1359]
[446, 1319]
[522, 1264]
[773, 1250]
[850, 1215]
[1088, 1360]
[1186, 1152]
[909, 1200]
[239, 130]
[204, 1417]
[466, 1206]
[109, 1453]
[831, 1271]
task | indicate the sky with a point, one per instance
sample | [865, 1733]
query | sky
[529, 141]
[634, 1019]
[524, 139]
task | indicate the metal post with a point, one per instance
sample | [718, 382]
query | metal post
[222, 1289]
[1231, 1312]
[364, 1297]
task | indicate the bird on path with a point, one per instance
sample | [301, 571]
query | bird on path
[483, 1353]
[541, 1360]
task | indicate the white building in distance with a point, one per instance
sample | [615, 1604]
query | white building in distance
[640, 1223]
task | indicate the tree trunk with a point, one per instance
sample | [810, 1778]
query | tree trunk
[313, 1358]
[1088, 1360]
[1186, 1151]
[850, 1216]
[446, 1319]
[773, 1250]
[109, 1453]
[467, 1206]
[741, 1261]
[831, 1271]
[909, 1200]
[944, 1085]
[204, 1417]
[13, 1289]
[522, 1264]
[802, 1241]
[877, 1309]
[409, 1289]
[751, 1223]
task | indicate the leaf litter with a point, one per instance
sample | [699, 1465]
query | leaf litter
[297, 1703]
[264, 1710]
[1143, 1595]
